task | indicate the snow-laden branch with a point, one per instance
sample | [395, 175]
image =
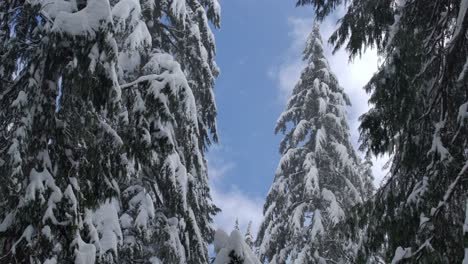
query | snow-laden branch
[141, 79]
[450, 191]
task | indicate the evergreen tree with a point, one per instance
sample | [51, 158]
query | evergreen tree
[167, 205]
[249, 239]
[419, 97]
[317, 179]
[232, 249]
[114, 169]
[60, 169]
[365, 170]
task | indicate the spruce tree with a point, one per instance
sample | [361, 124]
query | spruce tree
[59, 200]
[418, 116]
[232, 249]
[249, 239]
[166, 203]
[317, 180]
[113, 169]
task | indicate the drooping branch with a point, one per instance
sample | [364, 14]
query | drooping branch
[145, 78]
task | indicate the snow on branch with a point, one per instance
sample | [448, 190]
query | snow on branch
[145, 78]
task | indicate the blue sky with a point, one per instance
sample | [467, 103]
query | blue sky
[259, 47]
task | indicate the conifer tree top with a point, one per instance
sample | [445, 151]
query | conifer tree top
[317, 179]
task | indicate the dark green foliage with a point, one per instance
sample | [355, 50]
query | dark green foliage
[170, 124]
[113, 171]
[235, 259]
[55, 165]
[319, 177]
[419, 97]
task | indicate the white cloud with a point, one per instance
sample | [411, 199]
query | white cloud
[218, 168]
[351, 75]
[233, 202]
[288, 76]
[287, 73]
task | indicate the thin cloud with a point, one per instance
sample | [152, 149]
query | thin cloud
[237, 205]
[288, 71]
[288, 75]
[234, 203]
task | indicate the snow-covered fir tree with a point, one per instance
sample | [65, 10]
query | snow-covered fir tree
[317, 180]
[167, 204]
[236, 224]
[418, 116]
[60, 169]
[248, 238]
[113, 171]
[233, 249]
[365, 170]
